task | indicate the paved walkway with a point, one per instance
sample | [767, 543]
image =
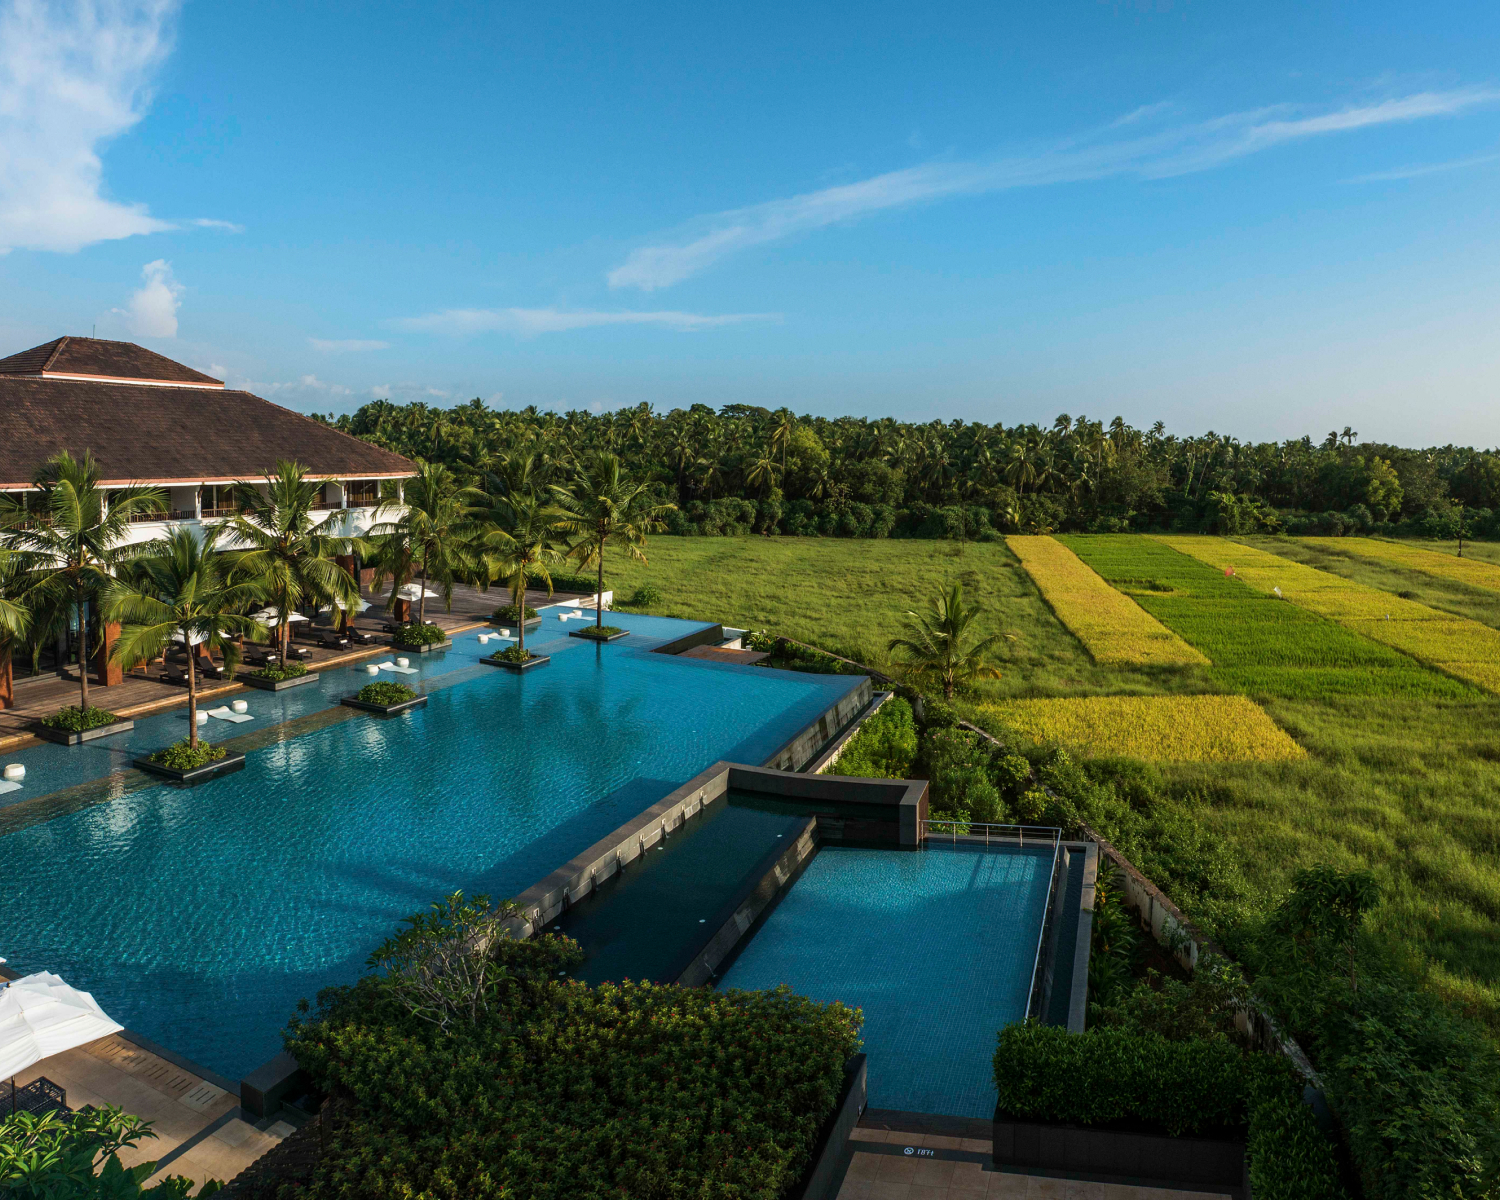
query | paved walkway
[890, 1165]
[201, 1130]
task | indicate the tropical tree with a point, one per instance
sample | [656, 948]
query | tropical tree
[937, 646]
[76, 539]
[288, 552]
[18, 577]
[431, 536]
[183, 588]
[523, 538]
[605, 506]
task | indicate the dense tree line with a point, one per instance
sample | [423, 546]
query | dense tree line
[745, 469]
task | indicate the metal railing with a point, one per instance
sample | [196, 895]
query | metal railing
[979, 831]
[174, 514]
[1041, 934]
[211, 513]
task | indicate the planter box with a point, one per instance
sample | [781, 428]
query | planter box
[276, 685]
[825, 1171]
[588, 637]
[66, 737]
[230, 762]
[531, 623]
[1157, 1159]
[398, 648]
[537, 660]
[383, 710]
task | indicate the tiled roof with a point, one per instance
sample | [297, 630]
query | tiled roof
[106, 360]
[140, 433]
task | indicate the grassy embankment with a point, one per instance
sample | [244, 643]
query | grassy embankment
[1403, 774]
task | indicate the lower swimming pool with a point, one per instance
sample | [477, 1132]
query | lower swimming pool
[198, 917]
[936, 947]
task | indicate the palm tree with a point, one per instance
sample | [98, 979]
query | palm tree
[18, 577]
[523, 539]
[432, 532]
[77, 538]
[181, 587]
[291, 554]
[605, 506]
[934, 648]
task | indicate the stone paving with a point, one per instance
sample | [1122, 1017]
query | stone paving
[891, 1165]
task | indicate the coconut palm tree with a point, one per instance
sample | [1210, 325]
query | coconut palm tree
[287, 551]
[76, 538]
[605, 506]
[431, 535]
[18, 578]
[523, 538]
[934, 646]
[181, 587]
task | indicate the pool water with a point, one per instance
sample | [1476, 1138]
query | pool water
[936, 946]
[199, 917]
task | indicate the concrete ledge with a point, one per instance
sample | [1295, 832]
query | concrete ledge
[68, 737]
[585, 636]
[383, 710]
[907, 796]
[797, 752]
[1078, 999]
[536, 660]
[277, 685]
[426, 648]
[835, 749]
[711, 636]
[222, 766]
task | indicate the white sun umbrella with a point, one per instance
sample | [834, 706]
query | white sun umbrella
[198, 638]
[271, 618]
[412, 591]
[359, 606]
[40, 1016]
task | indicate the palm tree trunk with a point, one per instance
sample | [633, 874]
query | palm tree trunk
[187, 638]
[83, 652]
[422, 599]
[599, 592]
[518, 601]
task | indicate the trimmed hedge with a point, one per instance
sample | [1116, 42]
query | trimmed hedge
[419, 635]
[286, 670]
[181, 756]
[384, 692]
[75, 719]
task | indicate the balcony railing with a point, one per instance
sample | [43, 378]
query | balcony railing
[175, 514]
[210, 514]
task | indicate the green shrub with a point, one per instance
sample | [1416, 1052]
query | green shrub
[513, 1080]
[382, 692]
[414, 635]
[507, 612]
[182, 756]
[648, 595]
[75, 719]
[51, 1157]
[514, 655]
[587, 584]
[599, 631]
[885, 746]
[275, 674]
[958, 763]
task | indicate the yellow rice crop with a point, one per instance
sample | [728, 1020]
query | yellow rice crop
[1472, 571]
[1156, 728]
[1111, 626]
[1457, 645]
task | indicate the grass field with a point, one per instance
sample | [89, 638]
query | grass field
[1457, 645]
[1111, 627]
[1403, 767]
[1475, 572]
[1162, 729]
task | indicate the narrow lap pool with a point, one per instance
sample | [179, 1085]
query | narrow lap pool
[198, 917]
[935, 946]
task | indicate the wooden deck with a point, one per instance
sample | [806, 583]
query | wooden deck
[143, 692]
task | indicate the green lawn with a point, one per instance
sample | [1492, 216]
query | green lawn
[1404, 773]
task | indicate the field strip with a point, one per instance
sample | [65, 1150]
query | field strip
[1155, 728]
[1473, 571]
[1112, 627]
[1457, 645]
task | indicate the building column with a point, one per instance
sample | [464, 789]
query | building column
[107, 670]
[7, 680]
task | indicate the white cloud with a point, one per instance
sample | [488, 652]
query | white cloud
[152, 311]
[1413, 172]
[1167, 151]
[215, 223]
[529, 322]
[72, 76]
[339, 347]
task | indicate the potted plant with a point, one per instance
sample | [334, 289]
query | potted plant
[384, 698]
[191, 761]
[277, 677]
[600, 633]
[421, 638]
[508, 615]
[517, 659]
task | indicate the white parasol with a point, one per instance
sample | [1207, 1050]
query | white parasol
[414, 592]
[40, 1016]
[271, 618]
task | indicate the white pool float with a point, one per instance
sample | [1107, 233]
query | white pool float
[240, 706]
[403, 662]
[201, 716]
[371, 669]
[15, 771]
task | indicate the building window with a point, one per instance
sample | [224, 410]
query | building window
[218, 500]
[362, 493]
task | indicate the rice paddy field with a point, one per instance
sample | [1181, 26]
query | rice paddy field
[1474, 571]
[1400, 765]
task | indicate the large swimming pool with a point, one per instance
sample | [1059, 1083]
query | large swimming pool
[200, 916]
[936, 946]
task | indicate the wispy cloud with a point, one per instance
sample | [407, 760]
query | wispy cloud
[529, 322]
[349, 344]
[215, 223]
[1416, 170]
[72, 76]
[152, 309]
[1138, 144]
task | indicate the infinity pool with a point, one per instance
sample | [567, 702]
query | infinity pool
[199, 917]
[936, 946]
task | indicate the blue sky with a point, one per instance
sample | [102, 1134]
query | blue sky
[1263, 219]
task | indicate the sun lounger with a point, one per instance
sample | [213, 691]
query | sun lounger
[223, 714]
[390, 666]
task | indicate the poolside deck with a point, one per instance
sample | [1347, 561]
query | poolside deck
[142, 693]
[201, 1130]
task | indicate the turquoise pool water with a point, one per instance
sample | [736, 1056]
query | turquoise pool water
[936, 946]
[198, 917]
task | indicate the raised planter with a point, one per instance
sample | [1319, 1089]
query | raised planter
[398, 648]
[531, 623]
[825, 1170]
[276, 685]
[67, 737]
[536, 660]
[383, 710]
[588, 637]
[1151, 1159]
[222, 766]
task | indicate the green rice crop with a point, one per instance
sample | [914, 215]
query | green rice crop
[1258, 644]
